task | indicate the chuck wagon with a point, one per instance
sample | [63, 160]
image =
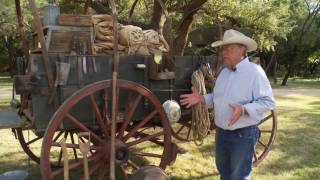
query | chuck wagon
[72, 101]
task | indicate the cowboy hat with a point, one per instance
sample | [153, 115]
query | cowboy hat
[235, 37]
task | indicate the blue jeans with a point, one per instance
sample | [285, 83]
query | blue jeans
[234, 152]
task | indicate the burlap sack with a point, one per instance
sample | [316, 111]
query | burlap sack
[151, 36]
[131, 35]
[100, 18]
[101, 37]
[106, 47]
[155, 41]
[143, 50]
[104, 31]
[102, 46]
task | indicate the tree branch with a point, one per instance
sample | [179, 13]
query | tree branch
[132, 9]
[185, 25]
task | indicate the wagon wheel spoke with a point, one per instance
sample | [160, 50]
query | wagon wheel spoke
[29, 143]
[33, 140]
[74, 149]
[260, 142]
[59, 158]
[153, 140]
[76, 164]
[60, 153]
[98, 116]
[82, 127]
[144, 154]
[129, 115]
[140, 125]
[58, 136]
[147, 138]
[106, 114]
[117, 100]
[189, 132]
[182, 129]
[133, 164]
[103, 172]
[144, 129]
[123, 172]
[255, 156]
[92, 169]
[268, 129]
[265, 119]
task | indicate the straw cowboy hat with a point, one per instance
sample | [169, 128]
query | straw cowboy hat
[235, 37]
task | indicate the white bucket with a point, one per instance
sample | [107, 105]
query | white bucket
[172, 110]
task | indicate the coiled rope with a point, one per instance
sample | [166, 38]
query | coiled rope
[200, 123]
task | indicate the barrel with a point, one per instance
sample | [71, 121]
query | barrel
[50, 14]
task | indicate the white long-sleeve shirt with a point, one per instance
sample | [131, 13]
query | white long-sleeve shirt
[247, 85]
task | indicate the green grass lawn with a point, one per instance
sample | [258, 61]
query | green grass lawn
[298, 83]
[5, 90]
[295, 154]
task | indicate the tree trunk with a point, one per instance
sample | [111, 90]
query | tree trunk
[10, 49]
[183, 30]
[180, 41]
[157, 20]
[287, 75]
[271, 62]
[275, 71]
[313, 70]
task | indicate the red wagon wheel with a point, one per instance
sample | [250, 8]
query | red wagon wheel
[182, 129]
[268, 128]
[29, 143]
[133, 140]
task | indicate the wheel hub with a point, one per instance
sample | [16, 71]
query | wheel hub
[121, 152]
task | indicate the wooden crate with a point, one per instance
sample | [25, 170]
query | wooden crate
[74, 20]
[59, 38]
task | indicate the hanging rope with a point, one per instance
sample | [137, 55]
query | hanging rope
[200, 123]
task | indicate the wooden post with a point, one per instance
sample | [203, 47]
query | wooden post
[44, 51]
[114, 88]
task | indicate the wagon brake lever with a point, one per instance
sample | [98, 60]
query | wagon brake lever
[65, 159]
[84, 147]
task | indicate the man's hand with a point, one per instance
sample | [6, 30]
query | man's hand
[189, 100]
[238, 111]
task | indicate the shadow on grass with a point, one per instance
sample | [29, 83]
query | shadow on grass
[31, 167]
[298, 83]
[298, 146]
[315, 103]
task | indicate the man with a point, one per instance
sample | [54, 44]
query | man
[241, 96]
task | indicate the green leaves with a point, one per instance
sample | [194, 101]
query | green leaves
[269, 20]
